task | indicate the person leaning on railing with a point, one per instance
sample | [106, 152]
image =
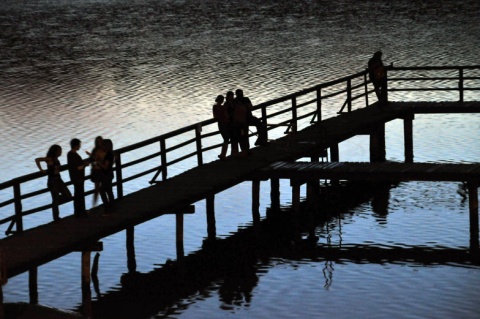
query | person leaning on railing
[55, 184]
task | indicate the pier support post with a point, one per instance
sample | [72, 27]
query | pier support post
[211, 228]
[2, 311]
[295, 196]
[473, 208]
[86, 292]
[313, 189]
[408, 137]
[33, 285]
[334, 157]
[256, 201]
[334, 153]
[296, 208]
[275, 194]
[179, 235]
[131, 261]
[377, 144]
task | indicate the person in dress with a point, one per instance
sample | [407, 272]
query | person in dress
[59, 191]
[96, 157]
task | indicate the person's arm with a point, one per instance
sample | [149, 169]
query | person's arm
[38, 161]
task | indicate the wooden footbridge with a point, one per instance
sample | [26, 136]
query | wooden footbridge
[301, 126]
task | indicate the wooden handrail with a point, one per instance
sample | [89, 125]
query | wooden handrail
[324, 91]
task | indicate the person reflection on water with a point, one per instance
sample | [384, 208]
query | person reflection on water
[56, 186]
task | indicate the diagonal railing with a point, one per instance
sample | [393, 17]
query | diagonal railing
[301, 108]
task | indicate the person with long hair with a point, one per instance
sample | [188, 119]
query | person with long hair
[59, 191]
[96, 157]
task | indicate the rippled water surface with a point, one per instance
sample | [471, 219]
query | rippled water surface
[132, 70]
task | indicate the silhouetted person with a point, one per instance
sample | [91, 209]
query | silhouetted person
[378, 75]
[253, 120]
[106, 176]
[240, 121]
[230, 107]
[96, 157]
[221, 115]
[55, 184]
[76, 169]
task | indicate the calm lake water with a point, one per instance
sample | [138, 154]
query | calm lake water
[131, 70]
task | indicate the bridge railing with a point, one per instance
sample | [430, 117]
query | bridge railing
[193, 144]
[454, 82]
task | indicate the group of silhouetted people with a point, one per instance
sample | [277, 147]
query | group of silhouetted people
[234, 116]
[101, 160]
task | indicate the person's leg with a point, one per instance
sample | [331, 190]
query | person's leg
[65, 194]
[79, 199]
[55, 200]
[261, 130]
[106, 193]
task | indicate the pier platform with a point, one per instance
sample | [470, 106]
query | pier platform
[34, 247]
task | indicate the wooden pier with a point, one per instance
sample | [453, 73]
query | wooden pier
[27, 249]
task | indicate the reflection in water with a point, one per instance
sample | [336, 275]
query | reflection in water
[94, 274]
[463, 191]
[380, 201]
[232, 267]
[328, 273]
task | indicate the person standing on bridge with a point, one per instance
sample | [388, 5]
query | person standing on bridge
[59, 191]
[106, 177]
[76, 169]
[220, 113]
[96, 156]
[253, 120]
[378, 75]
[240, 121]
[230, 107]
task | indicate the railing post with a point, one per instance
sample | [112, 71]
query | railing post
[349, 94]
[118, 168]
[460, 83]
[264, 115]
[365, 81]
[163, 156]
[18, 206]
[198, 140]
[294, 114]
[319, 104]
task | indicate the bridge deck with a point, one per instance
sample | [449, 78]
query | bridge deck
[385, 171]
[42, 244]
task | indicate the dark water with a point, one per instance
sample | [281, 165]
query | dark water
[131, 70]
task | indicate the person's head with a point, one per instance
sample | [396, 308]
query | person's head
[75, 144]
[98, 141]
[377, 55]
[239, 93]
[108, 144]
[54, 151]
[230, 95]
[219, 99]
